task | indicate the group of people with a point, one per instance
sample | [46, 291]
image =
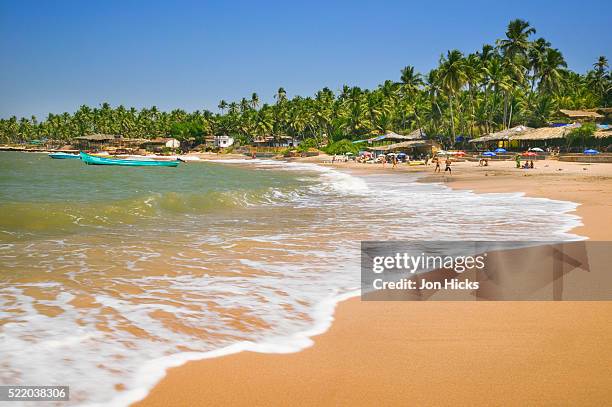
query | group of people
[527, 165]
[448, 162]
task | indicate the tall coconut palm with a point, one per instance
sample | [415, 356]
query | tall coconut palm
[452, 77]
[516, 42]
[281, 95]
[552, 71]
[254, 101]
[599, 80]
[411, 81]
[222, 106]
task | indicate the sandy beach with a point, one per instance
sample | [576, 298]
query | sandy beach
[436, 353]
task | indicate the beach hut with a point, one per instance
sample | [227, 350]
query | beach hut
[413, 147]
[543, 136]
[500, 137]
[272, 141]
[391, 138]
[158, 143]
[581, 115]
[97, 141]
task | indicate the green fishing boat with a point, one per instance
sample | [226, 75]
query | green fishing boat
[94, 160]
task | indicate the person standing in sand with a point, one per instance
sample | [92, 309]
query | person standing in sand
[448, 163]
[437, 162]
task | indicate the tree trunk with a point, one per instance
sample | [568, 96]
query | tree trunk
[510, 118]
[450, 97]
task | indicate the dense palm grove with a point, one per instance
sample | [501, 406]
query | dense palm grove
[519, 80]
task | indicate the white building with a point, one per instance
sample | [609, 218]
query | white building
[173, 143]
[223, 141]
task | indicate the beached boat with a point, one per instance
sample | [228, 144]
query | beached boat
[61, 156]
[93, 160]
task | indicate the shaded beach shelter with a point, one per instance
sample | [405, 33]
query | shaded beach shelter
[500, 150]
[489, 154]
[538, 149]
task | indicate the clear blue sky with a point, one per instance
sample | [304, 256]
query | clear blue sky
[57, 55]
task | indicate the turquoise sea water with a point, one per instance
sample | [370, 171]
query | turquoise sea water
[41, 196]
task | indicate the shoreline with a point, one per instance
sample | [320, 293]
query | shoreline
[352, 362]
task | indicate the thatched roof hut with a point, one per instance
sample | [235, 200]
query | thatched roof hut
[134, 141]
[392, 136]
[544, 133]
[402, 145]
[99, 137]
[581, 114]
[501, 135]
[603, 133]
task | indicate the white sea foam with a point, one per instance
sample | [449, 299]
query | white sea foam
[284, 286]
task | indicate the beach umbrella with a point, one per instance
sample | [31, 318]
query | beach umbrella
[401, 155]
[500, 150]
[529, 154]
[489, 154]
[460, 152]
[538, 149]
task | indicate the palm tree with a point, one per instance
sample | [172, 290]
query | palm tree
[254, 101]
[281, 95]
[410, 80]
[599, 80]
[452, 77]
[222, 106]
[516, 42]
[552, 71]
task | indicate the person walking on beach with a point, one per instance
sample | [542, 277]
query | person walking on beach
[448, 166]
[437, 161]
[394, 158]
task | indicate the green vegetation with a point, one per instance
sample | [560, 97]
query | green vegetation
[519, 80]
[582, 135]
[342, 147]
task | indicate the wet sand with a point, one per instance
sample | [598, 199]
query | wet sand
[438, 353]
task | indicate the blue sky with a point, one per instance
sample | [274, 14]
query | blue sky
[58, 55]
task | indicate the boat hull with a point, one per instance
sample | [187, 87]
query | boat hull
[64, 156]
[93, 160]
